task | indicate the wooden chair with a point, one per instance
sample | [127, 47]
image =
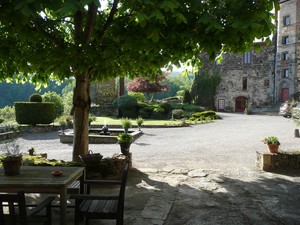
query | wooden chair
[17, 212]
[92, 206]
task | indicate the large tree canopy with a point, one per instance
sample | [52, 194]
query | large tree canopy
[96, 39]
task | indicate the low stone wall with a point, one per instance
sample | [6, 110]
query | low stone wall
[281, 161]
[39, 128]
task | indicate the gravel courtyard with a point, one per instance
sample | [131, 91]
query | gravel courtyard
[199, 175]
[228, 143]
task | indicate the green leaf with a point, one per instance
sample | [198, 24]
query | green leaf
[180, 18]
[168, 5]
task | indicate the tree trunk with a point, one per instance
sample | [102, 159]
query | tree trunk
[81, 106]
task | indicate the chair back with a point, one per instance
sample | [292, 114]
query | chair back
[123, 186]
[16, 209]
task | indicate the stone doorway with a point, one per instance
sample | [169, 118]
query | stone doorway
[284, 94]
[240, 104]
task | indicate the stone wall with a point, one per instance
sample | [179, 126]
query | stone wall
[281, 161]
[38, 128]
[102, 95]
[291, 83]
[259, 75]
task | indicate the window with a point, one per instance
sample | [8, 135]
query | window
[285, 40]
[247, 57]
[285, 73]
[286, 21]
[266, 83]
[244, 83]
[285, 56]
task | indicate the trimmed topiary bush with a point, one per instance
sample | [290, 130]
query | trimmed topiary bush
[34, 112]
[35, 98]
[204, 115]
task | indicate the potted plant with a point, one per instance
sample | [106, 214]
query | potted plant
[125, 141]
[12, 161]
[139, 122]
[63, 124]
[31, 151]
[273, 143]
[126, 124]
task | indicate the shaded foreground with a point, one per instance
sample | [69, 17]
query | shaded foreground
[206, 197]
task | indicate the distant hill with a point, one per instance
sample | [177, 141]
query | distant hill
[12, 92]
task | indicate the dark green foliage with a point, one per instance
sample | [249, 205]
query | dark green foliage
[153, 111]
[35, 98]
[52, 96]
[1, 120]
[187, 97]
[146, 112]
[167, 107]
[127, 106]
[204, 115]
[204, 88]
[34, 112]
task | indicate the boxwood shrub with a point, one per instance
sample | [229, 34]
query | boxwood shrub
[204, 115]
[35, 112]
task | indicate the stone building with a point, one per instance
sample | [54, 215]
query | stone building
[254, 80]
[288, 52]
[247, 79]
[102, 95]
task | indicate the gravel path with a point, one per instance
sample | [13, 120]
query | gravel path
[231, 143]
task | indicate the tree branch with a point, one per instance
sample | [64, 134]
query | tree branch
[78, 26]
[90, 22]
[49, 36]
[110, 18]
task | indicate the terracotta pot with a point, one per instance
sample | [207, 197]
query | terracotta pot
[11, 165]
[273, 148]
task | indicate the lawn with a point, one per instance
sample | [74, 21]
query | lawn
[150, 122]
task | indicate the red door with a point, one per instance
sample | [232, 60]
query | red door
[240, 104]
[284, 94]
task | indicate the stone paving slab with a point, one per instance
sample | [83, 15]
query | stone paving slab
[209, 197]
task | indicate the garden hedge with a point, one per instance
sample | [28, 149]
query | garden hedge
[35, 112]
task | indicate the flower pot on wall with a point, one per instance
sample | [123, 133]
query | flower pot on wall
[11, 165]
[273, 148]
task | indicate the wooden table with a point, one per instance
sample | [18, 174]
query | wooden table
[38, 179]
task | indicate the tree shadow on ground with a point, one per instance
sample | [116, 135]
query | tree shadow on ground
[212, 197]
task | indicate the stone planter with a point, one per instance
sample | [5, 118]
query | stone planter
[125, 147]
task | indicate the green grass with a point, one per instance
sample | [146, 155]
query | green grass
[117, 121]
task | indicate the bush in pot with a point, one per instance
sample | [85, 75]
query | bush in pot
[272, 142]
[12, 160]
[125, 141]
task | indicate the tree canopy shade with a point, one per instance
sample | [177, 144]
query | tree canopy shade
[95, 39]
